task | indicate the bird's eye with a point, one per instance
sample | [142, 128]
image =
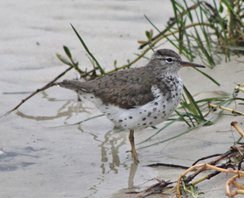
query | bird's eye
[169, 60]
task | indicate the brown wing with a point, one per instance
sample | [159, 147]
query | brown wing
[126, 89]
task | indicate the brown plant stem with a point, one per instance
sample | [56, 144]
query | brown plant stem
[48, 85]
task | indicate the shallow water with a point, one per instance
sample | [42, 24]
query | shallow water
[41, 153]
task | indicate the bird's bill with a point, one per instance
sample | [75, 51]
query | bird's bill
[188, 64]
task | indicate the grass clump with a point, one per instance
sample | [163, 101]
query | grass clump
[202, 28]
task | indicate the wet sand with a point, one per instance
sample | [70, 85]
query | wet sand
[41, 154]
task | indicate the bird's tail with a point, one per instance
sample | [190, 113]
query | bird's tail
[72, 84]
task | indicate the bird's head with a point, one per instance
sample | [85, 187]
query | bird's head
[170, 61]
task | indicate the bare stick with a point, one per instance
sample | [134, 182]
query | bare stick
[204, 167]
[214, 107]
[232, 182]
[48, 85]
[238, 128]
[167, 165]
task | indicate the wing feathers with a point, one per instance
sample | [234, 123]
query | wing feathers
[126, 89]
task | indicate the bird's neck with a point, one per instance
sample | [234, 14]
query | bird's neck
[166, 74]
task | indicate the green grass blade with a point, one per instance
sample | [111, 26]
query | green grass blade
[203, 49]
[67, 51]
[181, 117]
[208, 76]
[149, 20]
[175, 136]
[88, 51]
[194, 107]
[189, 12]
[161, 129]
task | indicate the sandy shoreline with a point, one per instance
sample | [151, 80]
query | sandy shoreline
[40, 154]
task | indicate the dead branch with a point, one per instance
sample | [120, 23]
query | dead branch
[228, 163]
[48, 85]
[233, 111]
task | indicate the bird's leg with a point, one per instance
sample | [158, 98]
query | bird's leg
[133, 148]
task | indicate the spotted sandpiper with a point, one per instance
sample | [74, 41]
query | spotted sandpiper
[136, 98]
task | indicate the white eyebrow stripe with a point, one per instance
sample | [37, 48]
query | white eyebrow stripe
[166, 57]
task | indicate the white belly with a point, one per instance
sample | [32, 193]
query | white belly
[150, 114]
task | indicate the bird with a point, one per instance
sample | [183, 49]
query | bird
[136, 98]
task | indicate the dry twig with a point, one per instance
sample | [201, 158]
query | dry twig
[48, 85]
[229, 163]
[233, 111]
